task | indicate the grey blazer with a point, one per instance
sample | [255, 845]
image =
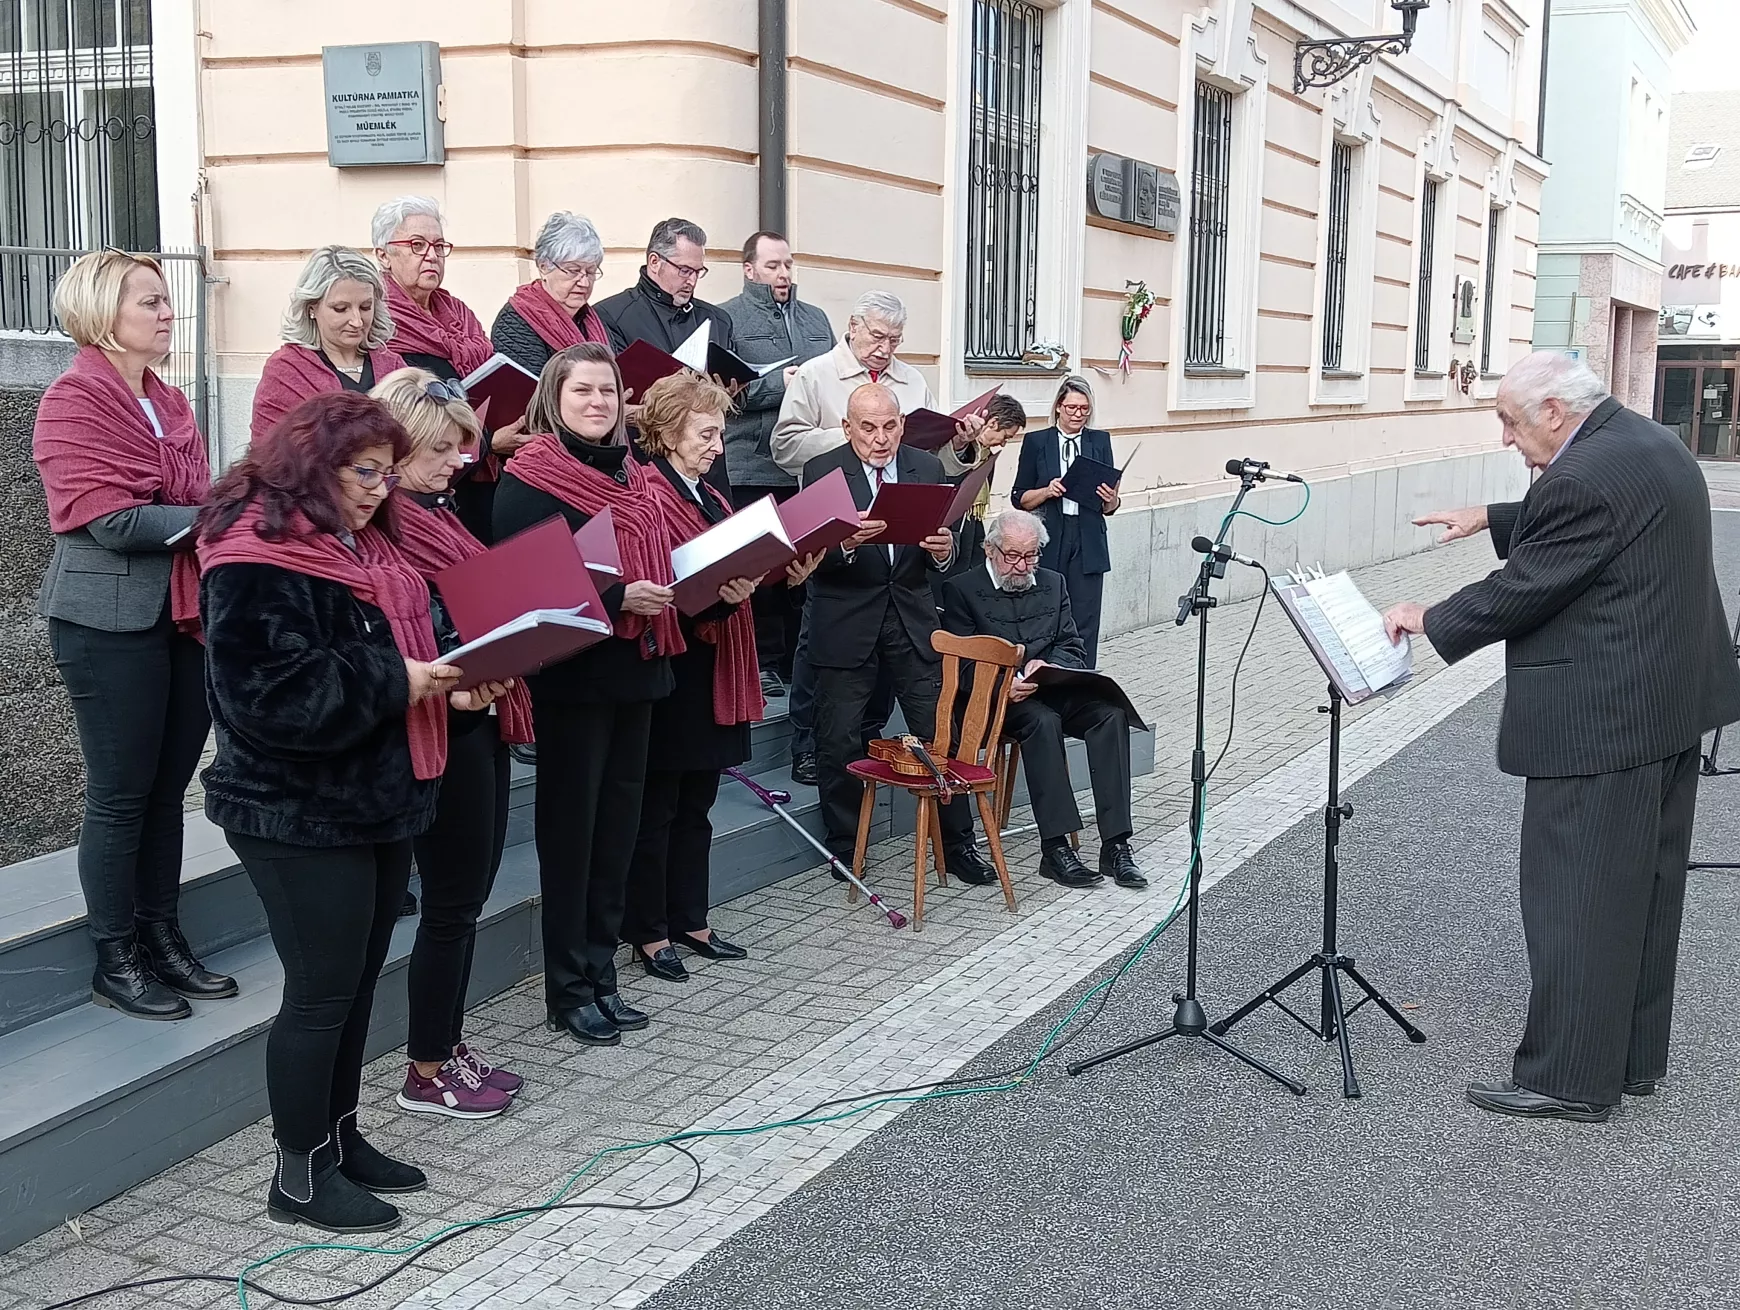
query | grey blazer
[113, 573]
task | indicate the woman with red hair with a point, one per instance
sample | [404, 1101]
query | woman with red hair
[328, 703]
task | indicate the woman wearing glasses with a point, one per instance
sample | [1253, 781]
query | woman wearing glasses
[335, 332]
[433, 329]
[459, 855]
[1077, 546]
[552, 312]
[330, 708]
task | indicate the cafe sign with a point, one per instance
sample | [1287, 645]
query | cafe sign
[383, 104]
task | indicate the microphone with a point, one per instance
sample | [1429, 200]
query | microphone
[1260, 470]
[1203, 546]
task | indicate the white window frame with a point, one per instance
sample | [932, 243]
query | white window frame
[1437, 161]
[1500, 194]
[1062, 204]
[1217, 47]
[1352, 120]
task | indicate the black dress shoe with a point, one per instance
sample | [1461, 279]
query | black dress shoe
[1640, 1087]
[713, 946]
[586, 1024]
[771, 686]
[1118, 863]
[166, 951]
[124, 981]
[1508, 1098]
[803, 768]
[621, 1013]
[1062, 865]
[360, 1161]
[525, 752]
[965, 863]
[663, 963]
[408, 906]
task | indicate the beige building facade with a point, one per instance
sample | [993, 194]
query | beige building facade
[1351, 272]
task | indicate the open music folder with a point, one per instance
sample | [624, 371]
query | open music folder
[1346, 635]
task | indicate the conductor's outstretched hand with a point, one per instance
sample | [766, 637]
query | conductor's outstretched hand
[1458, 523]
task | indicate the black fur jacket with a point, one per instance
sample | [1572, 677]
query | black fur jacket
[308, 697]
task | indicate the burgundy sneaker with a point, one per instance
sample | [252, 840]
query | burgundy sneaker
[500, 1079]
[454, 1091]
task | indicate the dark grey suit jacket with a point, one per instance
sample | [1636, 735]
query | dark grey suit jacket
[1617, 650]
[113, 573]
[1037, 619]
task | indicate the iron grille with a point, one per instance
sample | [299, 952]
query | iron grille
[1335, 253]
[1428, 248]
[78, 148]
[1003, 182]
[1487, 315]
[1210, 181]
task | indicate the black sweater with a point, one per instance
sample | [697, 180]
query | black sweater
[308, 696]
[611, 670]
[512, 336]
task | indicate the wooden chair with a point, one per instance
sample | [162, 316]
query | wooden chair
[995, 663]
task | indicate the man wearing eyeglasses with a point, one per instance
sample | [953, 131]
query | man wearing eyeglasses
[661, 308]
[1013, 598]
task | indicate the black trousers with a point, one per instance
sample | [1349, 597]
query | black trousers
[591, 770]
[842, 698]
[1603, 872]
[331, 912]
[801, 703]
[1084, 588]
[457, 860]
[779, 609]
[1040, 723]
[669, 881]
[138, 699]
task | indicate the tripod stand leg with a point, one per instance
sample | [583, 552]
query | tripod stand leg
[1401, 1020]
[1292, 1085]
[1332, 984]
[1268, 994]
[1081, 1066]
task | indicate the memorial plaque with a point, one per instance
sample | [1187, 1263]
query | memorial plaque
[1166, 210]
[1130, 191]
[1106, 189]
[383, 104]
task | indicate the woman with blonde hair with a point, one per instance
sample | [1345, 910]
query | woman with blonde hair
[124, 468]
[335, 332]
[459, 854]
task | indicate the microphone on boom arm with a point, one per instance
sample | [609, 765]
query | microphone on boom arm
[1258, 470]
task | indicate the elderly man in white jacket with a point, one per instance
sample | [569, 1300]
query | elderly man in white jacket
[812, 415]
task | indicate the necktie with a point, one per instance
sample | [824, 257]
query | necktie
[876, 486]
[1071, 448]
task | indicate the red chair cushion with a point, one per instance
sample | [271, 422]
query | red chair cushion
[969, 775]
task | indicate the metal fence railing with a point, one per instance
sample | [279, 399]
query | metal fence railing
[27, 278]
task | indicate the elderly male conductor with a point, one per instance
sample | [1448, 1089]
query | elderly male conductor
[1617, 660]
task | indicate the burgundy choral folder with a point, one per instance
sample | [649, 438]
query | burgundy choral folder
[817, 519]
[916, 510]
[643, 364]
[928, 430]
[596, 543]
[504, 386]
[524, 603]
[746, 545]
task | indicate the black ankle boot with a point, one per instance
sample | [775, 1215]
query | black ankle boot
[367, 1167]
[309, 1189]
[124, 982]
[167, 952]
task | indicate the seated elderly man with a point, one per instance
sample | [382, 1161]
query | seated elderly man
[1013, 598]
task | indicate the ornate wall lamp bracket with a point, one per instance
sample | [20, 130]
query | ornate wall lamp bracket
[1324, 63]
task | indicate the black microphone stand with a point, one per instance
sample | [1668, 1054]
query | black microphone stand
[1710, 769]
[1189, 1018]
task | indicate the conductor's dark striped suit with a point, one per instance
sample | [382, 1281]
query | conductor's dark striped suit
[1617, 659]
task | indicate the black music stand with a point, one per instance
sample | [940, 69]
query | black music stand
[1329, 963]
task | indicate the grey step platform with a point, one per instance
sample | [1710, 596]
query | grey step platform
[92, 1103]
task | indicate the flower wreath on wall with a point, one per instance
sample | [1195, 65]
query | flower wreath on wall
[1138, 302]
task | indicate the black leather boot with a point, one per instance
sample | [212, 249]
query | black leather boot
[309, 1189]
[167, 952]
[367, 1167]
[124, 982]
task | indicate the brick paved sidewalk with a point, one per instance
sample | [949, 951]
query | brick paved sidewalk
[816, 968]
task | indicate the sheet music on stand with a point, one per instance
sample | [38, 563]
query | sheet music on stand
[1346, 635]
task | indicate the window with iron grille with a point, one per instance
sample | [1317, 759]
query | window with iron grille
[1335, 253]
[1210, 183]
[1428, 248]
[78, 149]
[1003, 181]
[1488, 313]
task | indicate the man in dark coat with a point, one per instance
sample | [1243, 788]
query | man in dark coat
[872, 609]
[1617, 660]
[1009, 596]
[771, 324]
[661, 307]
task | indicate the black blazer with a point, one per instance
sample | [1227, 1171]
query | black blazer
[1038, 618]
[1041, 461]
[1617, 651]
[849, 598]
